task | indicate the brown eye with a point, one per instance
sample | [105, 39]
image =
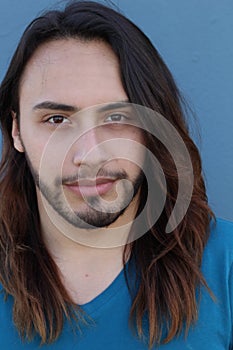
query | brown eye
[116, 118]
[57, 119]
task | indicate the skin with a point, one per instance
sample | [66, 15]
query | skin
[63, 146]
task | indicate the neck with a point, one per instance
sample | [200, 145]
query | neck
[64, 241]
[88, 261]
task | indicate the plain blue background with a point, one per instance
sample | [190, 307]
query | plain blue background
[195, 39]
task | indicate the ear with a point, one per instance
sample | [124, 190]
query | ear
[16, 134]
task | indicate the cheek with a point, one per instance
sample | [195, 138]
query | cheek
[132, 168]
[34, 150]
[132, 150]
[31, 136]
[41, 156]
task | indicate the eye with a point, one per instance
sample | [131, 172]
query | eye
[57, 119]
[116, 118]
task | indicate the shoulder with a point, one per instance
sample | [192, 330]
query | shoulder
[218, 254]
[217, 268]
[222, 225]
[221, 236]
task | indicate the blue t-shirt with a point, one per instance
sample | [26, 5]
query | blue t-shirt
[110, 311]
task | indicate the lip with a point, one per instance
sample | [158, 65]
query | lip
[91, 187]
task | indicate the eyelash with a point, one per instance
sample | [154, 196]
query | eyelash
[117, 114]
[64, 118]
[48, 120]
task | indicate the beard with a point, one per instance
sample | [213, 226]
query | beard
[95, 214]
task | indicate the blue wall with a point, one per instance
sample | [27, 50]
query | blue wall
[195, 39]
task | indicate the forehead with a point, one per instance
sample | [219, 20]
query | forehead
[72, 69]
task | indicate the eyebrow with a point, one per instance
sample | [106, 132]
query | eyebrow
[114, 105]
[55, 106]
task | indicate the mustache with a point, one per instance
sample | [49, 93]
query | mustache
[88, 174]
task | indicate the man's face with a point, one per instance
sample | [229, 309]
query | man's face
[83, 154]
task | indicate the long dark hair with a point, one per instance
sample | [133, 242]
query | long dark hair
[168, 266]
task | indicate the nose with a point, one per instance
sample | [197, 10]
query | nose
[89, 149]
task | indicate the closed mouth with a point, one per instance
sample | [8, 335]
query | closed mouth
[90, 182]
[91, 187]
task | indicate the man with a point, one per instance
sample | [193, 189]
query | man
[90, 118]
